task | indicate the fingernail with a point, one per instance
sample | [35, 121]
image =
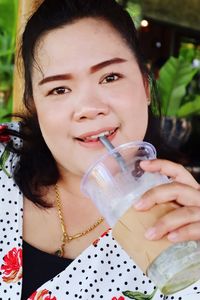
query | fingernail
[150, 234]
[172, 237]
[139, 205]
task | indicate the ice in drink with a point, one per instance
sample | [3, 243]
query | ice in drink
[114, 186]
[171, 267]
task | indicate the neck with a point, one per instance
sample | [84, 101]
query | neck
[70, 184]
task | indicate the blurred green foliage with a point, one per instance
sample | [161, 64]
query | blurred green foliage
[135, 11]
[179, 83]
[8, 21]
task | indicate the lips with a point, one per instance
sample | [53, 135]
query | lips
[93, 137]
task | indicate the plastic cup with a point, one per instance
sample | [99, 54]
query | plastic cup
[114, 186]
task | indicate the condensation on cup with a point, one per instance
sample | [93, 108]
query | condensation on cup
[114, 185]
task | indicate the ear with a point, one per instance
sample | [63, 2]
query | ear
[147, 88]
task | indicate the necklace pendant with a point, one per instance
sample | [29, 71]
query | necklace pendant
[65, 237]
[59, 252]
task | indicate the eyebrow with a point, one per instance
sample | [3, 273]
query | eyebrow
[116, 60]
[93, 69]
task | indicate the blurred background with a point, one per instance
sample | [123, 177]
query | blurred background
[169, 34]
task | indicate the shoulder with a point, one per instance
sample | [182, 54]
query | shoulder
[8, 132]
[8, 158]
[8, 162]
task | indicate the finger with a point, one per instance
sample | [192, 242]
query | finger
[174, 220]
[174, 191]
[186, 233]
[173, 170]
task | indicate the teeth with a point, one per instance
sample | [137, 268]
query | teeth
[105, 133]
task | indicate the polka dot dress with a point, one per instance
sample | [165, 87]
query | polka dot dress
[102, 271]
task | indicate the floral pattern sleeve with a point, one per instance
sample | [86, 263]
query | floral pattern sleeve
[42, 295]
[12, 266]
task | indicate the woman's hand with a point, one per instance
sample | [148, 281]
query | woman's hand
[183, 223]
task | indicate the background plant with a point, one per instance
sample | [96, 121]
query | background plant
[179, 83]
[8, 20]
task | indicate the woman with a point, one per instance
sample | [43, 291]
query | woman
[84, 76]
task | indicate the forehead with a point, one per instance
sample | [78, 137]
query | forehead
[86, 39]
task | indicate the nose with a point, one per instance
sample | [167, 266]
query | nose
[90, 108]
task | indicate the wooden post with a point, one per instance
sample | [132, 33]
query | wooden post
[25, 9]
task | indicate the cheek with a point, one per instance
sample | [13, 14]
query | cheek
[55, 127]
[50, 128]
[137, 124]
[47, 122]
[53, 116]
[132, 98]
[134, 114]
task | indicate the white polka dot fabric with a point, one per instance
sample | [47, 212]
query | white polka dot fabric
[102, 271]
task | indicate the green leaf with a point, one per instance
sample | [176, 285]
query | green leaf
[3, 159]
[133, 295]
[187, 51]
[174, 77]
[189, 108]
[139, 295]
[134, 9]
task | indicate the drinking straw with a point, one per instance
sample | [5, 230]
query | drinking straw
[109, 146]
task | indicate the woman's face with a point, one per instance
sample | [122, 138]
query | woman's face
[88, 83]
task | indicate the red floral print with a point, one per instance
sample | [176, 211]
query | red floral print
[106, 232]
[3, 136]
[12, 267]
[103, 234]
[120, 298]
[96, 242]
[42, 295]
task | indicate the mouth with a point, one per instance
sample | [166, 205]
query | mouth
[93, 137]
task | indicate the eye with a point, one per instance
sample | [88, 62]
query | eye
[110, 78]
[59, 91]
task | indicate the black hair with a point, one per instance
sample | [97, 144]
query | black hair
[55, 14]
[36, 166]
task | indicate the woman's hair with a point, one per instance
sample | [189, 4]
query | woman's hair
[56, 14]
[36, 167]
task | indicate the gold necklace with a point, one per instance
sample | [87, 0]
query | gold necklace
[65, 237]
